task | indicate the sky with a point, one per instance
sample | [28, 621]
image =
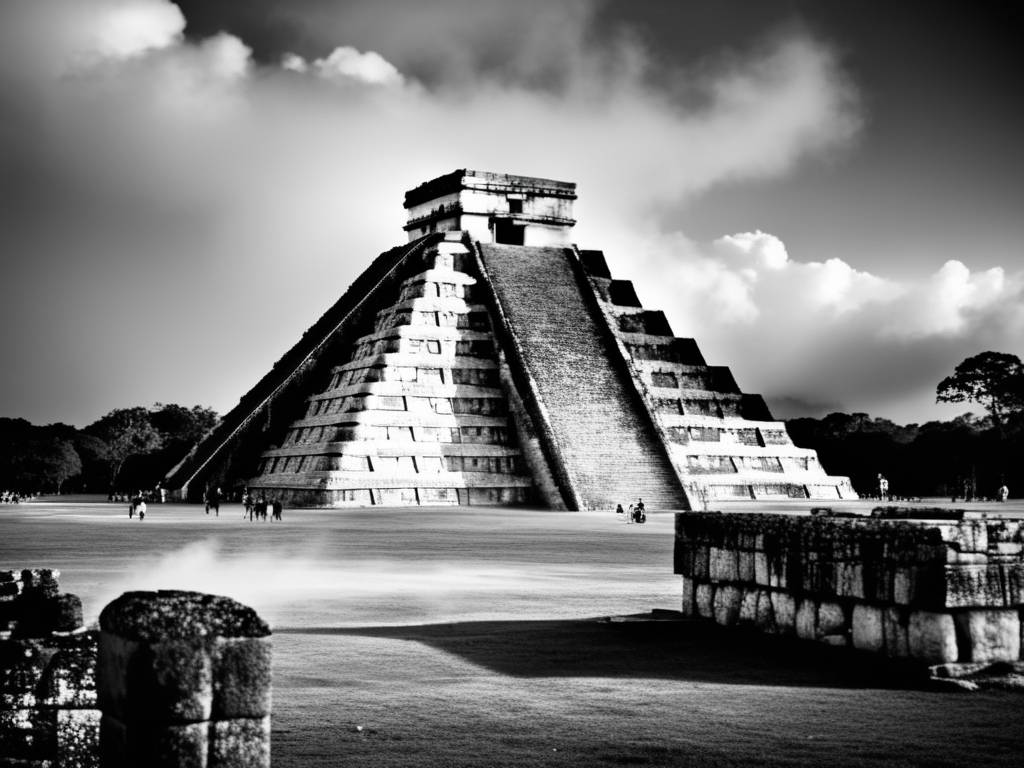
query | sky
[827, 195]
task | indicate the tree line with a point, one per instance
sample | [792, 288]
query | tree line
[125, 450]
[967, 457]
[133, 448]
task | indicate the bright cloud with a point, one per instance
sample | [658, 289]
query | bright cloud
[369, 67]
[812, 331]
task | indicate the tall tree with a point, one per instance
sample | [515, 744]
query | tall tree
[55, 461]
[180, 425]
[994, 380]
[127, 432]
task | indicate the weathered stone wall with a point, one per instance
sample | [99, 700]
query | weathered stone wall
[48, 710]
[948, 594]
[172, 679]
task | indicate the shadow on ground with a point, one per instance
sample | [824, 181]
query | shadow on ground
[694, 651]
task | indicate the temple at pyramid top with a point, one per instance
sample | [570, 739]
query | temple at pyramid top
[493, 208]
[489, 361]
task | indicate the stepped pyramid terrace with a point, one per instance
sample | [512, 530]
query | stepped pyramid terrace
[489, 361]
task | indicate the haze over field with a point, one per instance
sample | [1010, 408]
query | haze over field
[840, 176]
[463, 637]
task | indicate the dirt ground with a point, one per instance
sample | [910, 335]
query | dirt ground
[469, 637]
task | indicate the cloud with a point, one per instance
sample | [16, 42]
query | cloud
[181, 213]
[369, 67]
[810, 331]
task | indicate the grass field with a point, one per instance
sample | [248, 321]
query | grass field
[433, 637]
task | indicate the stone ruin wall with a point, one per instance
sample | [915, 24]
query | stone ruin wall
[948, 596]
[170, 678]
[49, 715]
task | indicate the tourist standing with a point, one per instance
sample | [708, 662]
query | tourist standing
[1003, 492]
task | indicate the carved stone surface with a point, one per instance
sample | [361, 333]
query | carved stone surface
[184, 679]
[489, 361]
[48, 714]
[898, 587]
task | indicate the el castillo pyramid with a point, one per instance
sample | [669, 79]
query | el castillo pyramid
[488, 361]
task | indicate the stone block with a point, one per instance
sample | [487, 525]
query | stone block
[1013, 582]
[904, 586]
[22, 664]
[849, 580]
[153, 745]
[784, 608]
[682, 559]
[868, 626]
[41, 582]
[1004, 531]
[10, 590]
[70, 678]
[762, 574]
[689, 603]
[18, 733]
[723, 565]
[745, 566]
[701, 563]
[1006, 550]
[965, 535]
[705, 595]
[748, 606]
[878, 581]
[931, 637]
[241, 678]
[240, 743]
[807, 620]
[969, 586]
[765, 619]
[747, 539]
[66, 613]
[778, 569]
[727, 605]
[78, 738]
[163, 682]
[174, 615]
[896, 633]
[988, 635]
[832, 619]
[837, 641]
[956, 557]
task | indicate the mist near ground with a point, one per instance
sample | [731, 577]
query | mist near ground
[442, 638]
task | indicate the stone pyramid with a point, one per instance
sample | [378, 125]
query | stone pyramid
[490, 362]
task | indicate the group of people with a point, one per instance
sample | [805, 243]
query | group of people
[156, 496]
[257, 508]
[15, 497]
[637, 513]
